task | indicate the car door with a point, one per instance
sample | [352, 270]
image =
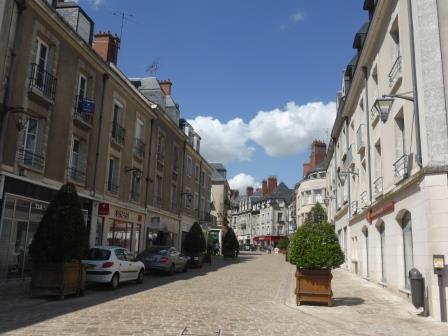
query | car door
[122, 264]
[133, 267]
[175, 255]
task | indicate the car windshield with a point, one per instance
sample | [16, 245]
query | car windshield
[98, 254]
[163, 250]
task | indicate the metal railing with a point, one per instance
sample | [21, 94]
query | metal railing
[395, 72]
[80, 114]
[118, 133]
[112, 187]
[349, 159]
[360, 143]
[374, 116]
[30, 158]
[354, 207]
[378, 187]
[363, 200]
[77, 174]
[43, 81]
[401, 168]
[139, 148]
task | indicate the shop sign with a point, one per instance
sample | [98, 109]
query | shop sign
[388, 208]
[39, 206]
[156, 223]
[103, 209]
[121, 214]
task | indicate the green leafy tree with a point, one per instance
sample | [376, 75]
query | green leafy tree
[315, 244]
[283, 243]
[62, 234]
[229, 241]
[195, 240]
[317, 215]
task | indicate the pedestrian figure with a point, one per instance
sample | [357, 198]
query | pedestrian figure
[269, 250]
[237, 251]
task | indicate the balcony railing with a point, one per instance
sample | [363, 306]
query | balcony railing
[374, 116]
[118, 132]
[363, 200]
[349, 159]
[395, 72]
[139, 148]
[360, 142]
[378, 187]
[112, 187]
[401, 168]
[76, 174]
[354, 207]
[83, 110]
[43, 81]
[31, 159]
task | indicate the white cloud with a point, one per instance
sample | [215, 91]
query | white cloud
[223, 142]
[241, 181]
[280, 132]
[95, 3]
[291, 130]
[297, 17]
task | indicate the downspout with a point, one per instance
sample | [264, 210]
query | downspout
[97, 153]
[13, 53]
[414, 87]
[335, 178]
[369, 159]
[199, 192]
[348, 175]
[182, 181]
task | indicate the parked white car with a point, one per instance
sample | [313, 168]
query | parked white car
[113, 265]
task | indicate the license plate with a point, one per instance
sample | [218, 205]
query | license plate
[196, 258]
[90, 266]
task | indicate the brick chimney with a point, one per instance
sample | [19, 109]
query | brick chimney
[166, 86]
[264, 187]
[272, 184]
[306, 168]
[318, 152]
[249, 191]
[107, 45]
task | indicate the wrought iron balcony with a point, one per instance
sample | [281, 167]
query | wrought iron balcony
[354, 207]
[401, 168]
[43, 81]
[360, 142]
[30, 158]
[84, 109]
[77, 174]
[378, 187]
[395, 72]
[118, 133]
[139, 148]
[363, 200]
[112, 187]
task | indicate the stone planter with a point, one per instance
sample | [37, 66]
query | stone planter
[313, 286]
[59, 279]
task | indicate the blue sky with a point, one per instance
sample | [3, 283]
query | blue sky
[231, 59]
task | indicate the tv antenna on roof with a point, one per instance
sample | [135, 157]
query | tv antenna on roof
[154, 67]
[124, 17]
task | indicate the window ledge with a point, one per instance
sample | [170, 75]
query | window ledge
[405, 291]
[384, 284]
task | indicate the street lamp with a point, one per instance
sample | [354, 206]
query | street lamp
[382, 106]
[343, 174]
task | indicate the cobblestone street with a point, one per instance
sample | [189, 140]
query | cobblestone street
[249, 296]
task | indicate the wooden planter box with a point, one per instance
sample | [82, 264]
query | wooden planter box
[313, 286]
[228, 253]
[59, 279]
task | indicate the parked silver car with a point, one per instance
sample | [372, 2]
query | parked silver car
[164, 258]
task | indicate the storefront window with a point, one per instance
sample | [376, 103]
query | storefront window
[120, 234]
[138, 230]
[99, 231]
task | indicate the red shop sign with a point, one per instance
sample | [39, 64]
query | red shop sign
[388, 208]
[103, 209]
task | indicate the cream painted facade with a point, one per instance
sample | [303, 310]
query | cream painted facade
[387, 176]
[311, 190]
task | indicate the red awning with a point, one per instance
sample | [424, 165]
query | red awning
[267, 238]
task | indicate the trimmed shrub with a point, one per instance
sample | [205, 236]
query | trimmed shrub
[229, 241]
[315, 244]
[283, 243]
[194, 243]
[62, 234]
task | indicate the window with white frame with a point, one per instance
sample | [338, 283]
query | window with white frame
[118, 130]
[196, 173]
[189, 166]
[139, 142]
[41, 61]
[161, 147]
[399, 135]
[173, 196]
[318, 196]
[112, 177]
[188, 198]
[29, 153]
[196, 201]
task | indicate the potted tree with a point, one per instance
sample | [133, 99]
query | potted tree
[315, 251]
[59, 245]
[230, 244]
[195, 245]
[282, 244]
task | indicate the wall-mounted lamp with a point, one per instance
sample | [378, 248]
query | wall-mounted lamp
[382, 106]
[21, 121]
[343, 174]
[137, 172]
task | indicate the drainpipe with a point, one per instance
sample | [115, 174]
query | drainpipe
[414, 87]
[335, 178]
[148, 167]
[182, 181]
[348, 175]
[199, 192]
[13, 53]
[97, 153]
[369, 159]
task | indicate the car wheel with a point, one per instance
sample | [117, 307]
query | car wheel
[172, 269]
[114, 281]
[141, 276]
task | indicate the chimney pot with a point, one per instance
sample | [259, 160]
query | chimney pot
[272, 184]
[166, 86]
[107, 45]
[264, 187]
